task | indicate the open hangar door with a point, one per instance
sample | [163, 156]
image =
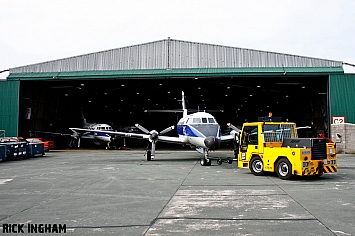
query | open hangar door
[56, 104]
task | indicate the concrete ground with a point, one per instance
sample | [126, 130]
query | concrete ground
[99, 192]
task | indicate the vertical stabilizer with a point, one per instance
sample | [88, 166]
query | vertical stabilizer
[184, 105]
[84, 123]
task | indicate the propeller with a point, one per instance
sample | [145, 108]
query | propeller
[75, 136]
[153, 138]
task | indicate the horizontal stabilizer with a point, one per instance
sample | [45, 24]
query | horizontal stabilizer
[173, 111]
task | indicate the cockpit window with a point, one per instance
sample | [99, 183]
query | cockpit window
[211, 120]
[204, 120]
[103, 128]
[196, 120]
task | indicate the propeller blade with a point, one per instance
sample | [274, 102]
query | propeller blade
[167, 129]
[173, 111]
[75, 134]
[233, 127]
[72, 142]
[142, 128]
[153, 150]
[79, 142]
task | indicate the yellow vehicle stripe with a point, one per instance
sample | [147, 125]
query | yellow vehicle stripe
[330, 169]
[309, 171]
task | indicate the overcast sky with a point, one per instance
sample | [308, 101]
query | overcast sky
[34, 31]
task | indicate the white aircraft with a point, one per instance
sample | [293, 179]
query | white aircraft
[198, 130]
[93, 132]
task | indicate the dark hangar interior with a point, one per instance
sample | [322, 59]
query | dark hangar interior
[56, 105]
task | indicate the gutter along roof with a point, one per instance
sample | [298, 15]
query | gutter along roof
[164, 73]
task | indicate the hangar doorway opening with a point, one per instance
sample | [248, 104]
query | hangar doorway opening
[56, 105]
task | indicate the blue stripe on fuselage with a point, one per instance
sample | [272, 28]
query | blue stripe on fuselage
[99, 134]
[199, 130]
[188, 131]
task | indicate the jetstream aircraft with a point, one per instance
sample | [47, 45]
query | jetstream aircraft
[198, 130]
[94, 132]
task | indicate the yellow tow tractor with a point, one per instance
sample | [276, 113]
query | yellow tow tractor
[268, 146]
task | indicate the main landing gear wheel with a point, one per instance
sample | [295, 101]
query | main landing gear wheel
[219, 161]
[256, 166]
[149, 155]
[205, 162]
[284, 169]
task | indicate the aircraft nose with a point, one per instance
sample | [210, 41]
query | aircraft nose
[211, 142]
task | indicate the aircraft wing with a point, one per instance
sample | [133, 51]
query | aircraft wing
[47, 132]
[169, 139]
[230, 136]
[123, 134]
[227, 137]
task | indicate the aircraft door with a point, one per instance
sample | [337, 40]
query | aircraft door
[248, 142]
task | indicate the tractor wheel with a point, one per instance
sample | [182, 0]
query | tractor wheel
[256, 166]
[284, 169]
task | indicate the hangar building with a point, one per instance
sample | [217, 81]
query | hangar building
[119, 86]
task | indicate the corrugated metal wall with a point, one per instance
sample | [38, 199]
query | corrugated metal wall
[170, 54]
[9, 107]
[342, 96]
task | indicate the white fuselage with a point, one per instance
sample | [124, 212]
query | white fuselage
[97, 134]
[196, 128]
